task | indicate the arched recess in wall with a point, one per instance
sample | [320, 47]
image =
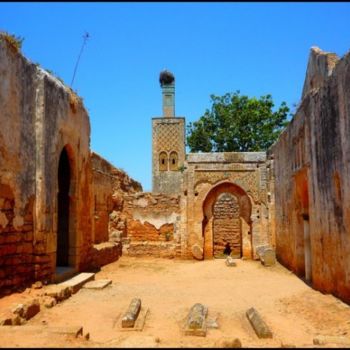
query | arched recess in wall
[302, 239]
[226, 225]
[163, 161]
[66, 215]
[173, 161]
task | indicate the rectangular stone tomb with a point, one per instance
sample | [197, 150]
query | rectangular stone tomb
[328, 339]
[132, 313]
[260, 327]
[14, 331]
[78, 281]
[267, 255]
[196, 321]
[97, 284]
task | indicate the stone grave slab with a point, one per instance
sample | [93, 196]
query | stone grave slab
[196, 321]
[329, 339]
[78, 281]
[132, 313]
[260, 327]
[139, 323]
[74, 331]
[97, 284]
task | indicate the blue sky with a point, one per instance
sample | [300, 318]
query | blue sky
[212, 48]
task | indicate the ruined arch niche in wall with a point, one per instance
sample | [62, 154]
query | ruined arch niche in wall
[66, 213]
[173, 161]
[226, 220]
[163, 161]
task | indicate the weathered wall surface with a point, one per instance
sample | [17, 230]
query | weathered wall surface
[105, 253]
[319, 68]
[17, 170]
[109, 186]
[312, 187]
[226, 226]
[39, 117]
[102, 194]
[63, 123]
[209, 175]
[151, 225]
[168, 139]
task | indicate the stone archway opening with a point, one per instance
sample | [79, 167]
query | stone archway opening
[63, 209]
[226, 221]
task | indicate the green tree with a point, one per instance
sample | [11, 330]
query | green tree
[237, 123]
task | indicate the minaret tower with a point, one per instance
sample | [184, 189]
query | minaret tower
[167, 83]
[168, 142]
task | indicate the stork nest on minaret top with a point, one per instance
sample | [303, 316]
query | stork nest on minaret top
[166, 78]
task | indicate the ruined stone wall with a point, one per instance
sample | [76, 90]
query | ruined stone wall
[320, 67]
[312, 188]
[151, 225]
[64, 123]
[110, 185]
[39, 117]
[103, 182]
[17, 169]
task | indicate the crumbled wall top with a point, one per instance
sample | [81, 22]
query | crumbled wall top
[123, 181]
[319, 67]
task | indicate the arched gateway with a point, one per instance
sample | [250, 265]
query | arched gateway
[226, 209]
[65, 210]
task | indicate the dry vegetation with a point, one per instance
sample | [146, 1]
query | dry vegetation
[14, 42]
[74, 101]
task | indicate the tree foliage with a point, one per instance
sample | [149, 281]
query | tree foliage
[237, 123]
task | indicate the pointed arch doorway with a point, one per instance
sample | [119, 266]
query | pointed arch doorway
[227, 221]
[63, 209]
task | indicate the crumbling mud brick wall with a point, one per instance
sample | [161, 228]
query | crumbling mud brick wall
[110, 185]
[123, 186]
[312, 172]
[40, 120]
[151, 225]
[102, 191]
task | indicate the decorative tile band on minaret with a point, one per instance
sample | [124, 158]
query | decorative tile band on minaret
[167, 83]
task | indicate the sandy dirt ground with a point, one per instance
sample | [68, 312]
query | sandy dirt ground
[294, 312]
